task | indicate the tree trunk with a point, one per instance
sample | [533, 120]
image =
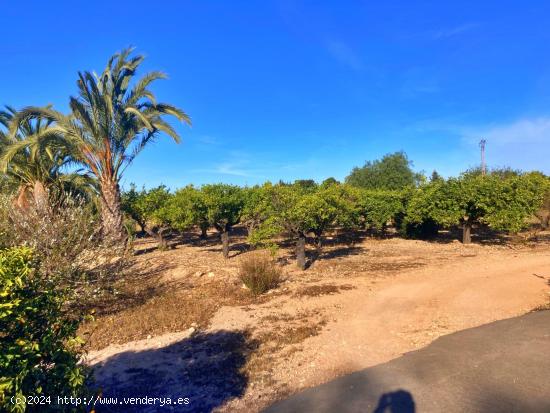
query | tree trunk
[204, 231]
[467, 233]
[225, 243]
[111, 213]
[141, 227]
[318, 243]
[158, 235]
[301, 252]
[163, 245]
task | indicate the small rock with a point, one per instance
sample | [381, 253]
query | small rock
[199, 274]
[194, 325]
[191, 330]
[149, 336]
[210, 274]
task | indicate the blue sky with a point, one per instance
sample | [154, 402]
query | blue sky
[295, 89]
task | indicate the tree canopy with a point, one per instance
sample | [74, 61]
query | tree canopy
[393, 172]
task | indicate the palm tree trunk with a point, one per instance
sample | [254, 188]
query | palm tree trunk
[111, 212]
[40, 196]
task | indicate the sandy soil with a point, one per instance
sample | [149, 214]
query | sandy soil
[373, 303]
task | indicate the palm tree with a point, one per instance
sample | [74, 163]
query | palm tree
[31, 172]
[111, 120]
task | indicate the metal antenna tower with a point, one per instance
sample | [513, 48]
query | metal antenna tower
[482, 146]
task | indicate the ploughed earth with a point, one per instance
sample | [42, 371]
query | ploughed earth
[183, 325]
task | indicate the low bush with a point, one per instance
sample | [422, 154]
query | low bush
[259, 273]
[65, 239]
[39, 349]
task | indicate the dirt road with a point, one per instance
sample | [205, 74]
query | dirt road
[376, 323]
[372, 320]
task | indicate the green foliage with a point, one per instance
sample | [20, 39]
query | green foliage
[186, 209]
[224, 204]
[298, 210]
[24, 170]
[150, 209]
[392, 172]
[147, 207]
[329, 181]
[306, 184]
[112, 119]
[380, 207]
[131, 202]
[435, 176]
[39, 349]
[503, 202]
[258, 215]
[259, 273]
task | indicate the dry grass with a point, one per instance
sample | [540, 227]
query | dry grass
[259, 273]
[171, 310]
[280, 341]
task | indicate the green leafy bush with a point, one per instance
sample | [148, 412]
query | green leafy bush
[259, 273]
[39, 349]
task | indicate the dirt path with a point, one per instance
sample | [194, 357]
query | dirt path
[377, 320]
[374, 324]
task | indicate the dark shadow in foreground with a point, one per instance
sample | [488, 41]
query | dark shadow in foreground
[206, 369]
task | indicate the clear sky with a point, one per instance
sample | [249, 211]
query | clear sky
[296, 89]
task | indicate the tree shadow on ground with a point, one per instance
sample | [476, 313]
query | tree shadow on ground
[344, 251]
[480, 235]
[324, 254]
[235, 249]
[145, 279]
[206, 368]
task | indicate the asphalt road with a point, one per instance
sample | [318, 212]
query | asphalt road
[501, 367]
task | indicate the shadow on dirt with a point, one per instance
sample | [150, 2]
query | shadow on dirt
[206, 369]
[400, 401]
[141, 284]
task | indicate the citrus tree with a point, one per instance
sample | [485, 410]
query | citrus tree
[380, 207]
[186, 208]
[296, 210]
[502, 203]
[223, 204]
[149, 209]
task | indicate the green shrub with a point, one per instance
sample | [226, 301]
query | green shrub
[39, 349]
[259, 273]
